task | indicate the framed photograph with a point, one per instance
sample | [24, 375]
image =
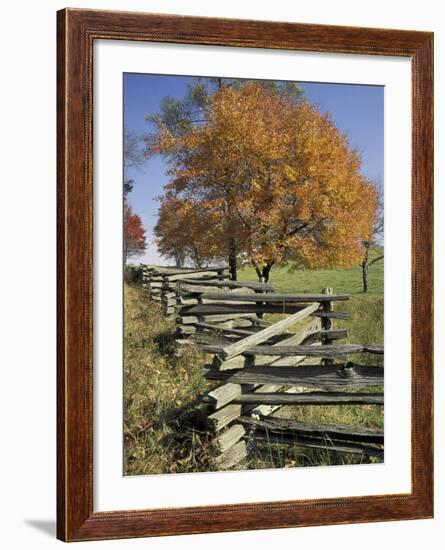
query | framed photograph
[245, 229]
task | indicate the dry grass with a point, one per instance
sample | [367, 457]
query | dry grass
[164, 421]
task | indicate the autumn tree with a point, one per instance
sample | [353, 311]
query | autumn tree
[181, 116]
[275, 177]
[134, 234]
[180, 229]
[374, 239]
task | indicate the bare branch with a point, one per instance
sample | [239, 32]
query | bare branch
[376, 259]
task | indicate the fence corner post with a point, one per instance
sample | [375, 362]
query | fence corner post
[326, 322]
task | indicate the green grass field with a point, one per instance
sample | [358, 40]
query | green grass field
[164, 420]
[343, 281]
[365, 309]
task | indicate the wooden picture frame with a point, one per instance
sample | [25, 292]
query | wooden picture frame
[77, 31]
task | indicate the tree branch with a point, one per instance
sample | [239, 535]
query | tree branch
[302, 225]
[376, 259]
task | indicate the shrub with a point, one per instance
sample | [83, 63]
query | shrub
[133, 274]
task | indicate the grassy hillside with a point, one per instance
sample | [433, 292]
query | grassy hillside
[164, 420]
[162, 413]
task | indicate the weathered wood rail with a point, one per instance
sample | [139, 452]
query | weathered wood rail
[295, 427]
[328, 376]
[160, 283]
[312, 398]
[225, 309]
[174, 288]
[262, 367]
[307, 351]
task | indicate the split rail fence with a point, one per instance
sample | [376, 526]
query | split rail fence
[160, 283]
[264, 366]
[261, 366]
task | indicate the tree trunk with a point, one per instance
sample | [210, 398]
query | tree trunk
[266, 272]
[365, 269]
[179, 259]
[196, 259]
[262, 272]
[258, 270]
[232, 260]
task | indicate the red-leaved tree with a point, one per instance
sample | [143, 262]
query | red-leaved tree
[134, 234]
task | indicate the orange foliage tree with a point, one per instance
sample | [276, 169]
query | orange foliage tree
[134, 233]
[180, 229]
[268, 180]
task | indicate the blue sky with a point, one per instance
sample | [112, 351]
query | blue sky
[355, 109]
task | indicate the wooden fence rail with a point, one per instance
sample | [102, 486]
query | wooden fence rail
[262, 366]
[257, 308]
[162, 285]
[333, 431]
[305, 375]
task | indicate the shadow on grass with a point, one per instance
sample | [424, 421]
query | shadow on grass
[166, 343]
[266, 455]
[188, 437]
